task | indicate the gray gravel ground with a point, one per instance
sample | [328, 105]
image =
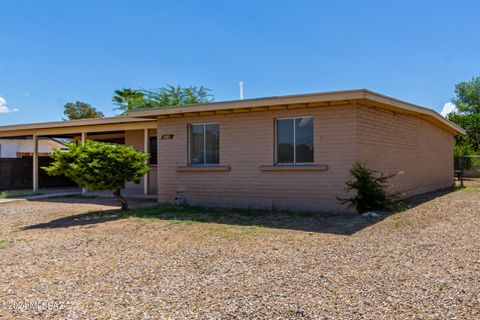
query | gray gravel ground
[423, 263]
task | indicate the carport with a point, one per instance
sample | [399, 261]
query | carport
[136, 132]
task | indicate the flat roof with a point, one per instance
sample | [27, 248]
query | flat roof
[73, 123]
[360, 95]
[75, 127]
[134, 118]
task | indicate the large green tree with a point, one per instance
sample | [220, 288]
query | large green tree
[470, 142]
[177, 95]
[467, 101]
[468, 96]
[100, 166]
[130, 99]
[80, 110]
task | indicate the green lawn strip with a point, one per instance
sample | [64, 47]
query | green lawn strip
[468, 189]
[18, 194]
[74, 196]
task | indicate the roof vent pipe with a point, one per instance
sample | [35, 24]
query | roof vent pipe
[241, 90]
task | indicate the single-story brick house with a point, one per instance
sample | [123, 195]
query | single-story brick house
[290, 152]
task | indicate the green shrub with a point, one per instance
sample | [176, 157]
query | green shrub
[371, 193]
[100, 166]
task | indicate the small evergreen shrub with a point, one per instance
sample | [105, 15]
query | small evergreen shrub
[371, 193]
[100, 166]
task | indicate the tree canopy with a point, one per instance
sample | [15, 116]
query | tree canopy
[470, 142]
[131, 99]
[468, 96]
[467, 101]
[100, 166]
[80, 110]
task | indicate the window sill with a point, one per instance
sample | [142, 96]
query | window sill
[298, 167]
[203, 169]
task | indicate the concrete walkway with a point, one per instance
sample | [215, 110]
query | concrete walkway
[54, 193]
[41, 196]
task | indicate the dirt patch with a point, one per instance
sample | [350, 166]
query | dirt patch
[421, 263]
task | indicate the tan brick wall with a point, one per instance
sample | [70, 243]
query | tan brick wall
[385, 140]
[135, 139]
[394, 142]
[247, 142]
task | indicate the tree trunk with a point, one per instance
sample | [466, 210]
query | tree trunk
[118, 194]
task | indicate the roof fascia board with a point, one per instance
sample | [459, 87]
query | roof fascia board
[78, 129]
[146, 118]
[75, 123]
[250, 103]
[409, 107]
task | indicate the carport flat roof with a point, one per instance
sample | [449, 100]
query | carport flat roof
[77, 126]
[74, 123]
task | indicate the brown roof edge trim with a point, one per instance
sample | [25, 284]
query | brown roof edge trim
[74, 123]
[373, 96]
[149, 115]
[348, 95]
[249, 103]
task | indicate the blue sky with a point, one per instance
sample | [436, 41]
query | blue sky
[53, 52]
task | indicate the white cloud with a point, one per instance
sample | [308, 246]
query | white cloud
[448, 108]
[4, 108]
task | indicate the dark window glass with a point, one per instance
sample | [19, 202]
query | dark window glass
[212, 143]
[197, 144]
[303, 140]
[204, 144]
[295, 140]
[285, 141]
[153, 150]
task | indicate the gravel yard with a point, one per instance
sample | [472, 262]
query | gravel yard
[423, 263]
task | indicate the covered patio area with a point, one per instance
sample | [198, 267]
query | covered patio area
[140, 134]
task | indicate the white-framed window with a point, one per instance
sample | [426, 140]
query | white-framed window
[204, 145]
[294, 140]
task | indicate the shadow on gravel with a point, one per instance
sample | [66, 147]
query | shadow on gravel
[73, 221]
[339, 224]
[415, 201]
[87, 218]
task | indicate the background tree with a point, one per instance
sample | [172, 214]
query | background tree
[177, 95]
[470, 142]
[100, 166]
[467, 101]
[130, 99]
[80, 110]
[468, 96]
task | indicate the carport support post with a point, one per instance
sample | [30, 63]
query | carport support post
[84, 139]
[35, 163]
[146, 148]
